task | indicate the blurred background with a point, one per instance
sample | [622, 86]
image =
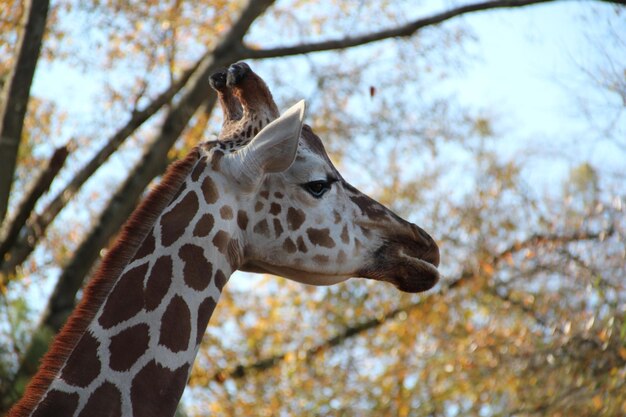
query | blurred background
[497, 126]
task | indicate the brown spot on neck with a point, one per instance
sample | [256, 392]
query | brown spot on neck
[204, 225]
[199, 169]
[220, 279]
[216, 159]
[226, 212]
[158, 282]
[220, 240]
[209, 190]
[357, 246]
[176, 325]
[126, 299]
[147, 247]
[197, 271]
[174, 222]
[105, 397]
[83, 365]
[204, 314]
[100, 289]
[128, 346]
[156, 390]
[56, 403]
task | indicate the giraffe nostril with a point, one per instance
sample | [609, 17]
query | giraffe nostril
[420, 235]
[431, 254]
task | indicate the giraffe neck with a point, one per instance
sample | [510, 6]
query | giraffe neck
[134, 355]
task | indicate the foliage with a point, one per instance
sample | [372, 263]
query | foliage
[530, 318]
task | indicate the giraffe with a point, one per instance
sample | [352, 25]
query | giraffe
[263, 198]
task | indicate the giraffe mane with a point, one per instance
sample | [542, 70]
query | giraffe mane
[130, 238]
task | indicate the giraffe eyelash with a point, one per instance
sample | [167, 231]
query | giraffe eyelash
[318, 188]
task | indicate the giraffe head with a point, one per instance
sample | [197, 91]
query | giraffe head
[296, 215]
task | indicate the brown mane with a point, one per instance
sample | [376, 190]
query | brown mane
[132, 235]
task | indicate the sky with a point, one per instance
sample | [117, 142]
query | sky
[527, 72]
[520, 69]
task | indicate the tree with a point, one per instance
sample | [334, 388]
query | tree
[512, 253]
[15, 92]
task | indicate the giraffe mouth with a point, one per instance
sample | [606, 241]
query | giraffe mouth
[410, 275]
[420, 275]
[409, 266]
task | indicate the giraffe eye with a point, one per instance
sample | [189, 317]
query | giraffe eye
[317, 188]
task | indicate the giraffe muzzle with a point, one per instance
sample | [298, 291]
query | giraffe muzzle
[431, 253]
[409, 261]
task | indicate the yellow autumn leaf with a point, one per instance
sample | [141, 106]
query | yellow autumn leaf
[597, 402]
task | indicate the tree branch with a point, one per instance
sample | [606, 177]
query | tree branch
[36, 229]
[39, 187]
[507, 298]
[534, 241]
[152, 164]
[403, 31]
[16, 92]
[242, 370]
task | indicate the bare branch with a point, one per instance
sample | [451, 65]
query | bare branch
[36, 229]
[16, 91]
[538, 240]
[507, 298]
[152, 163]
[242, 370]
[175, 121]
[403, 31]
[40, 186]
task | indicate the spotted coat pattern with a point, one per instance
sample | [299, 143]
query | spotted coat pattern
[134, 356]
[149, 328]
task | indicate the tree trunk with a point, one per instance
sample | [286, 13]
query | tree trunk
[13, 254]
[16, 92]
[121, 205]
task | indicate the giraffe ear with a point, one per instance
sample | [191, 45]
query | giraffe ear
[274, 148]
